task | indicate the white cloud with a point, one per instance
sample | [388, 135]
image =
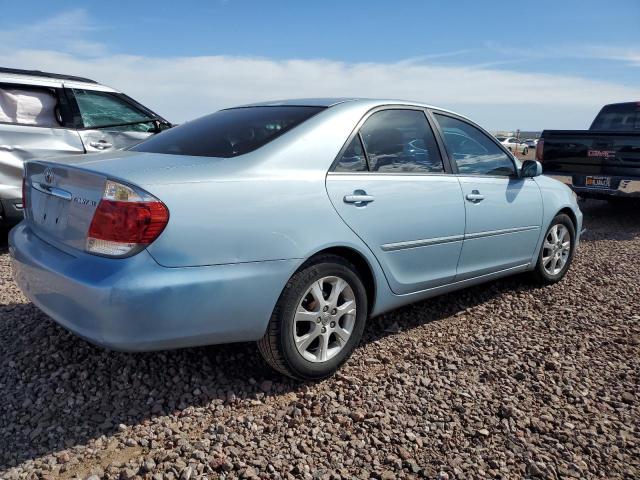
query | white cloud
[184, 87]
[181, 88]
[631, 56]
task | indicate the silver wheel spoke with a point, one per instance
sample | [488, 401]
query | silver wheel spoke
[564, 234]
[303, 315]
[323, 348]
[347, 308]
[342, 335]
[304, 341]
[547, 245]
[336, 289]
[318, 294]
[546, 260]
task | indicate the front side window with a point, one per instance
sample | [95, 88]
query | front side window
[228, 133]
[472, 151]
[104, 109]
[400, 141]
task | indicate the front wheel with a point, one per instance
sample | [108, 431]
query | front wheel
[557, 251]
[318, 320]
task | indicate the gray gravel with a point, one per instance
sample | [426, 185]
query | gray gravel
[503, 380]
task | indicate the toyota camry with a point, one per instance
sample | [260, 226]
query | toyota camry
[287, 223]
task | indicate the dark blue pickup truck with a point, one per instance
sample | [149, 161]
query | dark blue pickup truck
[602, 162]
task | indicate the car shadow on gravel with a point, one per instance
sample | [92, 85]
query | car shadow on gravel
[60, 391]
[4, 240]
[606, 221]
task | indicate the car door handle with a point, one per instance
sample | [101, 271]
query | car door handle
[361, 198]
[475, 196]
[101, 145]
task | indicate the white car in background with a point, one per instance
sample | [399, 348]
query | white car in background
[514, 145]
[44, 115]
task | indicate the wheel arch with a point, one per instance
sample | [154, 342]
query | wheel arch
[572, 215]
[362, 264]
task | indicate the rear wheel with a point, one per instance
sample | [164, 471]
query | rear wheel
[318, 320]
[557, 250]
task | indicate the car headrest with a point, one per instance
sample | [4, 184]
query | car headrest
[385, 141]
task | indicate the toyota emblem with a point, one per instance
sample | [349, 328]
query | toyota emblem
[48, 175]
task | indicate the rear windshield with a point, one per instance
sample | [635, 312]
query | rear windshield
[623, 117]
[228, 133]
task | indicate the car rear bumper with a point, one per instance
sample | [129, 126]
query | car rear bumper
[134, 304]
[620, 186]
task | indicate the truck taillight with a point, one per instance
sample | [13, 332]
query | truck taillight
[539, 149]
[125, 221]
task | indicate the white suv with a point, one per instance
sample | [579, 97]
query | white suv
[47, 114]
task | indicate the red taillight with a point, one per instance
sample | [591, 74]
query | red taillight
[125, 221]
[24, 193]
[128, 222]
[539, 149]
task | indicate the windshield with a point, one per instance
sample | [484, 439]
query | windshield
[620, 117]
[228, 133]
[501, 139]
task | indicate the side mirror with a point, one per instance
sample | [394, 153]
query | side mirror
[531, 168]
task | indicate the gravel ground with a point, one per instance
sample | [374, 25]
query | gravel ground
[503, 380]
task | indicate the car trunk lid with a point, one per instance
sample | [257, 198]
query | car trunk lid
[61, 201]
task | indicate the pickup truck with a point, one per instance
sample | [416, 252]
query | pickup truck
[602, 162]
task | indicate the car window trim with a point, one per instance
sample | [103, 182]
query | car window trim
[67, 123]
[434, 111]
[356, 131]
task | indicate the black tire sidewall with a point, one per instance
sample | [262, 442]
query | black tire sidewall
[560, 219]
[299, 366]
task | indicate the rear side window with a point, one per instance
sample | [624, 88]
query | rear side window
[472, 151]
[228, 133]
[29, 106]
[620, 117]
[103, 109]
[400, 141]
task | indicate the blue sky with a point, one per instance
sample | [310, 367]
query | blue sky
[508, 64]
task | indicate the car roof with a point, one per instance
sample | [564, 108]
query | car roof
[333, 101]
[38, 78]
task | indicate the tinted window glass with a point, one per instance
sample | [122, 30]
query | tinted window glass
[228, 133]
[400, 141]
[353, 159]
[624, 116]
[102, 109]
[472, 150]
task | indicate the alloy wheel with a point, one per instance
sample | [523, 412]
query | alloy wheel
[556, 249]
[325, 319]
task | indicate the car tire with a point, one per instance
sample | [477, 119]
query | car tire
[554, 258]
[309, 338]
[525, 150]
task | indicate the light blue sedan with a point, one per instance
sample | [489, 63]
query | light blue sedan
[287, 223]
